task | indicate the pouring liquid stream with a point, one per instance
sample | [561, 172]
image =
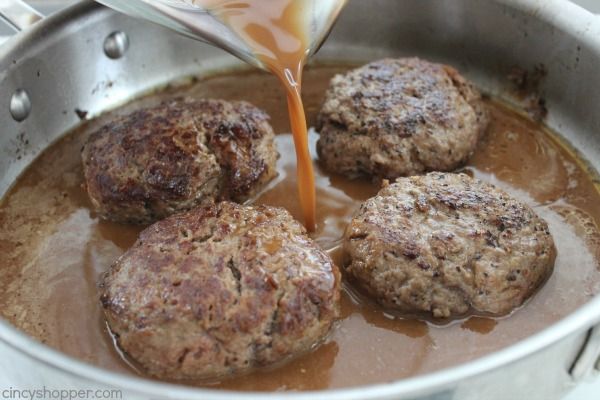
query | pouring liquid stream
[278, 32]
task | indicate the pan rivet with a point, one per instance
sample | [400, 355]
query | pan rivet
[116, 44]
[20, 105]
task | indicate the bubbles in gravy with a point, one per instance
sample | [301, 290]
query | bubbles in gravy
[53, 248]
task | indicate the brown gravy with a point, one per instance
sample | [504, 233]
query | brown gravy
[278, 34]
[53, 248]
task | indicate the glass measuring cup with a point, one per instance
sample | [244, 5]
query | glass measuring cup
[189, 18]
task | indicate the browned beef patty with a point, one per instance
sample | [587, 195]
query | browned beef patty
[446, 244]
[219, 290]
[153, 162]
[399, 117]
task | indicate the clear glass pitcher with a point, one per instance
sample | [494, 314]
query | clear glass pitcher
[190, 19]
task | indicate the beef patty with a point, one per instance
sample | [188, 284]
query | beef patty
[399, 117]
[219, 290]
[446, 244]
[147, 165]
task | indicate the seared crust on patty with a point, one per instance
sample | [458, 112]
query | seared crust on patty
[446, 244]
[153, 162]
[220, 290]
[399, 117]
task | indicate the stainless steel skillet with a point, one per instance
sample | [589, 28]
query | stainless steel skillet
[88, 59]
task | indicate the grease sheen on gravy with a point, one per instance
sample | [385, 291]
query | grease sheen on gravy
[53, 248]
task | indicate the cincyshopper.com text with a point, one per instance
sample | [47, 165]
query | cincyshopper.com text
[45, 393]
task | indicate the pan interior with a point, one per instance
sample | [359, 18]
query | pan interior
[54, 248]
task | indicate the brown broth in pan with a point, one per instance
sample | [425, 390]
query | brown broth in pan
[53, 248]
